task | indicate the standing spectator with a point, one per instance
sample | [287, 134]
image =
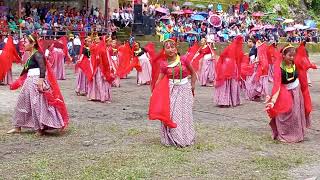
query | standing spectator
[77, 45]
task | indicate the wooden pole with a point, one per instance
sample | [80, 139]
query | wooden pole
[19, 8]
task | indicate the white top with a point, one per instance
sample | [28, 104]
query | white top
[77, 42]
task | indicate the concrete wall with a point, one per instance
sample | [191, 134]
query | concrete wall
[113, 4]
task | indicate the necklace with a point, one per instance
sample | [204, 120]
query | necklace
[173, 65]
[289, 70]
[29, 59]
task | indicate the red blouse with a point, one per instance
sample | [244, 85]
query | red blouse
[168, 71]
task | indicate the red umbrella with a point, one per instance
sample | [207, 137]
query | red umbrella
[188, 11]
[258, 14]
[215, 20]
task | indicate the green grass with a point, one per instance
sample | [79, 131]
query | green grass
[217, 149]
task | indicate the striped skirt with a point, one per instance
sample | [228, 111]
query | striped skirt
[181, 102]
[7, 80]
[228, 94]
[291, 126]
[257, 89]
[82, 83]
[58, 65]
[32, 109]
[144, 76]
[207, 73]
[99, 89]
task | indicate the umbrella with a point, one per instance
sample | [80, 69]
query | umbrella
[257, 14]
[313, 29]
[310, 23]
[215, 20]
[162, 10]
[197, 17]
[188, 11]
[256, 28]
[178, 12]
[288, 21]
[299, 26]
[165, 18]
[200, 6]
[268, 27]
[192, 32]
[279, 19]
[187, 4]
[288, 29]
[204, 14]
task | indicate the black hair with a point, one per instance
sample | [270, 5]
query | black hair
[287, 49]
[251, 38]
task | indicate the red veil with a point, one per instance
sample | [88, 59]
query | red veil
[124, 54]
[246, 68]
[202, 52]
[229, 62]
[104, 61]
[8, 56]
[159, 107]
[263, 66]
[284, 101]
[53, 96]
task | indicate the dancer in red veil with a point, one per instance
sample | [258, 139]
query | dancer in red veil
[8, 55]
[172, 97]
[143, 60]
[290, 105]
[40, 105]
[84, 69]
[207, 64]
[227, 82]
[99, 86]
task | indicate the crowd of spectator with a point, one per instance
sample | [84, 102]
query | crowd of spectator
[178, 21]
[172, 20]
[50, 21]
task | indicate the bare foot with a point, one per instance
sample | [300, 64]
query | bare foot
[40, 133]
[15, 130]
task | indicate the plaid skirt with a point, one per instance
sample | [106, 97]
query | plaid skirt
[32, 109]
[181, 102]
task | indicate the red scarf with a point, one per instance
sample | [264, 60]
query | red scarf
[8, 56]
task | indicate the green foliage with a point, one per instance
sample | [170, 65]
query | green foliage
[315, 6]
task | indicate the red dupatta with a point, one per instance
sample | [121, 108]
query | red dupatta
[159, 106]
[8, 56]
[303, 64]
[263, 66]
[229, 62]
[247, 69]
[104, 61]
[124, 54]
[195, 63]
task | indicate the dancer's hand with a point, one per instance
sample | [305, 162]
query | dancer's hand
[40, 84]
[269, 106]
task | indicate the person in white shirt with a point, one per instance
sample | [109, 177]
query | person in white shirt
[77, 46]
